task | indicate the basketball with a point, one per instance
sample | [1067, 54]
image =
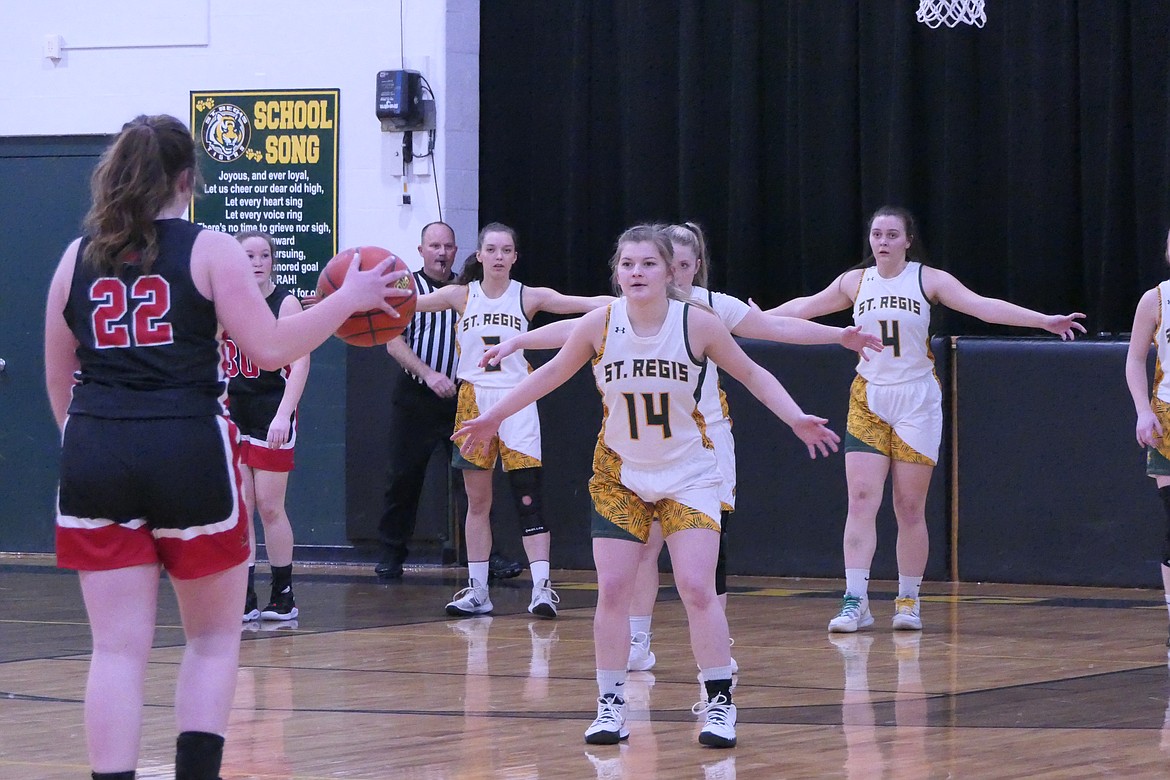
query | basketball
[369, 328]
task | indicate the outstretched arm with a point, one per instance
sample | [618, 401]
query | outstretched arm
[792, 330]
[551, 336]
[949, 291]
[453, 296]
[547, 299]
[716, 342]
[1145, 320]
[838, 296]
[222, 273]
[581, 346]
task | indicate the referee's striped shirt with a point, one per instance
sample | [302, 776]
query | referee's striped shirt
[431, 335]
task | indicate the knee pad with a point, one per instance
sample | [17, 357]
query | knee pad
[526, 492]
[721, 561]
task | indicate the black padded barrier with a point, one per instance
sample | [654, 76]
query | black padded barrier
[1051, 483]
[790, 510]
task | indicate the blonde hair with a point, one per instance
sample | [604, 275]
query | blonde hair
[650, 234]
[690, 235]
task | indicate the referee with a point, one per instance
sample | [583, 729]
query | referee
[423, 413]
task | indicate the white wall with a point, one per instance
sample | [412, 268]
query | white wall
[127, 57]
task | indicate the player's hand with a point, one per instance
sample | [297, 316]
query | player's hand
[1149, 430]
[816, 436]
[754, 305]
[494, 354]
[440, 384]
[1065, 325]
[852, 338]
[278, 431]
[375, 288]
[476, 434]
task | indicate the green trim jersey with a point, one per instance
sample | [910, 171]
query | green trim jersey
[898, 311]
[650, 388]
[485, 323]
[1162, 342]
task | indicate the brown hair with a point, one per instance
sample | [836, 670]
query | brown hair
[472, 268]
[135, 177]
[916, 250]
[267, 239]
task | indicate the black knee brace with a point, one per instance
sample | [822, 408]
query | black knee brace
[721, 561]
[526, 490]
[1164, 494]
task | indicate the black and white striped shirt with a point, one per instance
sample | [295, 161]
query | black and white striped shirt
[431, 335]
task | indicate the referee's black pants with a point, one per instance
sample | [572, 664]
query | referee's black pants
[420, 422]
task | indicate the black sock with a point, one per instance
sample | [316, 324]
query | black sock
[251, 578]
[198, 756]
[716, 687]
[112, 775]
[1164, 494]
[281, 578]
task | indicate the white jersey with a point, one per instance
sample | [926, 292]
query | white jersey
[1162, 342]
[730, 311]
[713, 401]
[897, 311]
[486, 322]
[650, 387]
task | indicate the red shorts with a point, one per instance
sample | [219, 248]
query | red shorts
[261, 457]
[151, 491]
[252, 414]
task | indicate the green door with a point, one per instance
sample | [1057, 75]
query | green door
[44, 193]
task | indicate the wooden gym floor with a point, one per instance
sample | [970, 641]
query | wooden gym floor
[374, 681]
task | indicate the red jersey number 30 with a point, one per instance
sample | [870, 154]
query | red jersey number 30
[147, 301]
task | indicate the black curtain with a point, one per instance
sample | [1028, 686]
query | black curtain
[1034, 151]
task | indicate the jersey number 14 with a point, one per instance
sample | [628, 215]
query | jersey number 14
[659, 416]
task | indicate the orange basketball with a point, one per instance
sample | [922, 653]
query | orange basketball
[369, 328]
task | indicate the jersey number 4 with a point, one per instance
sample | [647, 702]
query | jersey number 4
[147, 299]
[890, 336]
[661, 417]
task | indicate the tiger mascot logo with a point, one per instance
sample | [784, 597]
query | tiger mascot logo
[226, 132]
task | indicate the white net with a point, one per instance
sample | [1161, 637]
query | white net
[934, 13]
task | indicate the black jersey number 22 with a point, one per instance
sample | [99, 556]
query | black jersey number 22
[148, 298]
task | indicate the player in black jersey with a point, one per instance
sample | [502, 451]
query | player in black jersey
[263, 405]
[133, 325]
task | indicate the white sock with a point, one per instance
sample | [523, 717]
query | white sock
[857, 583]
[908, 586]
[715, 673]
[611, 681]
[478, 571]
[539, 571]
[641, 624]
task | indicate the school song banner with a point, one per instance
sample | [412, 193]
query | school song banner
[268, 161]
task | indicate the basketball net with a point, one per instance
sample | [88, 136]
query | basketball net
[934, 13]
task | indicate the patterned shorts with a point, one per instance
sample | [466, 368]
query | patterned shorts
[626, 500]
[902, 421]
